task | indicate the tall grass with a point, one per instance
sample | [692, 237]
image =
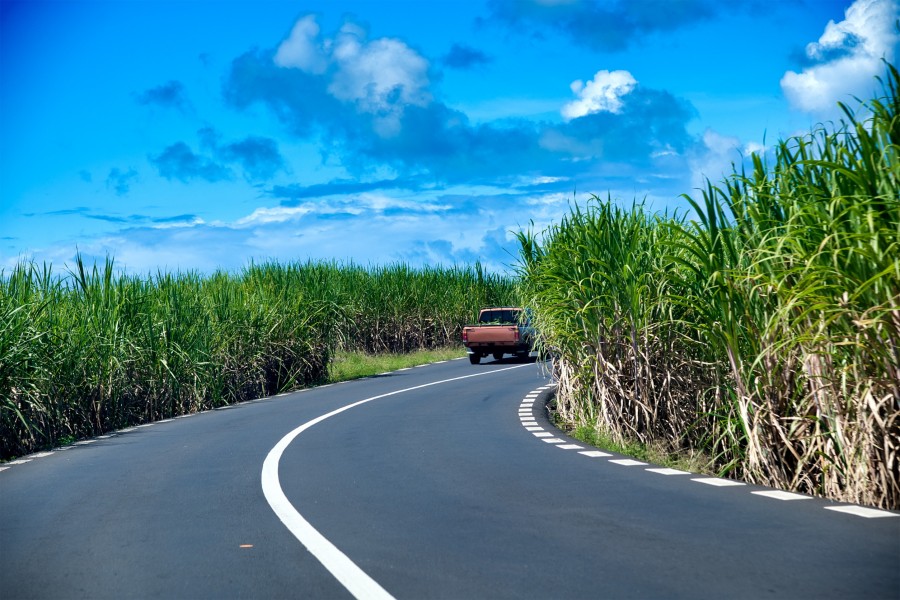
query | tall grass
[765, 331]
[93, 349]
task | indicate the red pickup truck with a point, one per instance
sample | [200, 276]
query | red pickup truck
[499, 331]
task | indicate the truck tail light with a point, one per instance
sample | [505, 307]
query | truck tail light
[516, 330]
[465, 336]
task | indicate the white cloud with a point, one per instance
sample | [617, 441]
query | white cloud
[601, 94]
[380, 76]
[849, 56]
[715, 163]
[300, 49]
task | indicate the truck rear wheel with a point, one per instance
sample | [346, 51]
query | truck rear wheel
[474, 358]
[498, 355]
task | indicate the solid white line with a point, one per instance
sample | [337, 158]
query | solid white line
[779, 495]
[861, 511]
[357, 582]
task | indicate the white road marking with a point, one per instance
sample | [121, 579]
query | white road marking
[529, 422]
[570, 447]
[779, 495]
[668, 471]
[595, 453]
[534, 428]
[717, 482]
[627, 462]
[85, 442]
[357, 582]
[554, 441]
[104, 437]
[150, 424]
[40, 455]
[3, 468]
[21, 461]
[542, 434]
[862, 511]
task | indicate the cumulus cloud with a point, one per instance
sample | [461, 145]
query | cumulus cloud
[380, 77]
[301, 49]
[178, 161]
[846, 58]
[601, 24]
[120, 180]
[620, 120]
[464, 57]
[258, 157]
[603, 93]
[168, 95]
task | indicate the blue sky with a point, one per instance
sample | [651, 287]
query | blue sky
[201, 135]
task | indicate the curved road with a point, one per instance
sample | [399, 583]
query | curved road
[444, 481]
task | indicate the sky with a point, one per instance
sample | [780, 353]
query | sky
[202, 135]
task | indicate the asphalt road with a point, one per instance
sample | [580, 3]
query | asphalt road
[457, 487]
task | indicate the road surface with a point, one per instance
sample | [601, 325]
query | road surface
[444, 481]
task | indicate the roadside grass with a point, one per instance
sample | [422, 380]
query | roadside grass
[355, 365]
[655, 452]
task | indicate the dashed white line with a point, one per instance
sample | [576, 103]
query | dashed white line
[40, 455]
[85, 442]
[526, 410]
[668, 471]
[779, 495]
[861, 511]
[3, 468]
[21, 461]
[717, 482]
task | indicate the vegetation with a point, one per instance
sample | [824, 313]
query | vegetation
[95, 350]
[353, 365]
[764, 333]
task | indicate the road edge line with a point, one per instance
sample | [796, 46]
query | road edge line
[348, 573]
